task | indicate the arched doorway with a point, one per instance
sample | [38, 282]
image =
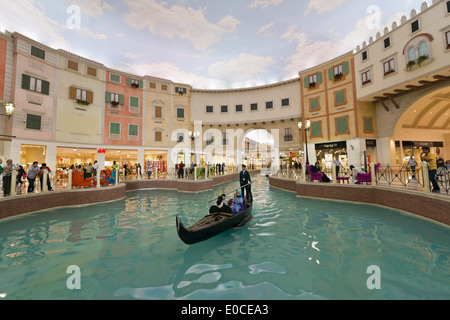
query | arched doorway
[260, 149]
[425, 123]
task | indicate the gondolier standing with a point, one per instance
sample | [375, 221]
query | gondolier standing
[246, 181]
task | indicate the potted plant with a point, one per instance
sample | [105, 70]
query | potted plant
[312, 85]
[338, 76]
[135, 85]
[410, 64]
[421, 59]
[83, 102]
[114, 104]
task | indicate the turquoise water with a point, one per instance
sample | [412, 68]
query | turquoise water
[293, 248]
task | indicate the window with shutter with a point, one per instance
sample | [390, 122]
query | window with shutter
[36, 85]
[158, 136]
[339, 97]
[134, 104]
[314, 105]
[33, 122]
[133, 132]
[114, 131]
[342, 125]
[316, 129]
[180, 113]
[368, 125]
[72, 65]
[36, 52]
[415, 26]
[158, 112]
[92, 71]
[114, 78]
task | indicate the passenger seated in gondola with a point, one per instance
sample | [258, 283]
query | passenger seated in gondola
[220, 206]
[238, 204]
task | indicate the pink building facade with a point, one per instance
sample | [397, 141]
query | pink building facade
[124, 96]
[33, 89]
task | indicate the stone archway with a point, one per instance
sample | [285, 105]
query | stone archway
[415, 116]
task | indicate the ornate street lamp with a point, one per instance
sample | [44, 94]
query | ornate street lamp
[9, 107]
[308, 126]
[194, 136]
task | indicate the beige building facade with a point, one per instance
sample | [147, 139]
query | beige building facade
[404, 71]
[256, 125]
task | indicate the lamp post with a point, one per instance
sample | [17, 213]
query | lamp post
[9, 107]
[194, 136]
[306, 129]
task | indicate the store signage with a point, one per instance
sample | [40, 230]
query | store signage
[101, 151]
[331, 145]
[420, 144]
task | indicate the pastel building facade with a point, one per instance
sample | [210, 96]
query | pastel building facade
[404, 71]
[167, 114]
[341, 127]
[228, 118]
[6, 71]
[384, 100]
[33, 92]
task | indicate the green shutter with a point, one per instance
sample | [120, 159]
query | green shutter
[180, 113]
[342, 125]
[26, 82]
[330, 74]
[319, 78]
[128, 81]
[133, 130]
[368, 125]
[306, 81]
[141, 83]
[340, 97]
[316, 130]
[108, 97]
[45, 87]
[39, 53]
[121, 99]
[314, 104]
[33, 122]
[114, 78]
[134, 102]
[345, 68]
[114, 128]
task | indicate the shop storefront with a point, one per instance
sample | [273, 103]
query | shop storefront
[327, 152]
[407, 149]
[31, 153]
[158, 161]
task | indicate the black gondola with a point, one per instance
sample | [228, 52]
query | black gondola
[212, 225]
